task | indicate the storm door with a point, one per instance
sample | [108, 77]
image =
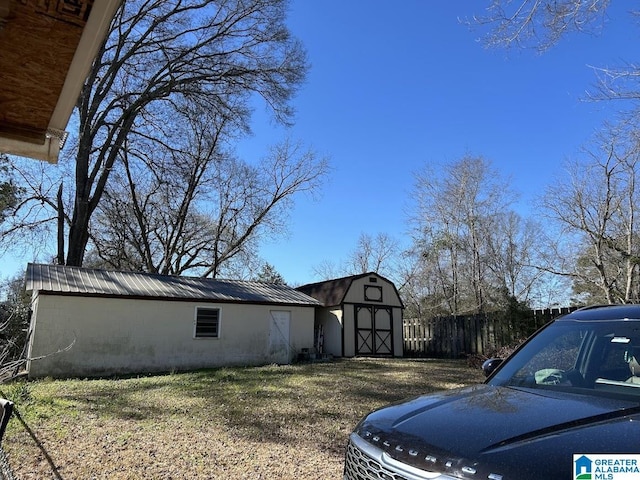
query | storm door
[374, 330]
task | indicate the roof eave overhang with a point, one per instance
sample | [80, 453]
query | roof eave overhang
[176, 299]
[93, 35]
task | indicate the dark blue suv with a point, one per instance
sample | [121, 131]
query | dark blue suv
[566, 404]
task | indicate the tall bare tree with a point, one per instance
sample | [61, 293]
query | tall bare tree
[205, 212]
[161, 57]
[597, 210]
[472, 251]
[512, 254]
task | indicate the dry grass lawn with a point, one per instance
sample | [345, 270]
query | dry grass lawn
[273, 422]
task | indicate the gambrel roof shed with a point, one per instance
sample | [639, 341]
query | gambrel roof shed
[361, 315]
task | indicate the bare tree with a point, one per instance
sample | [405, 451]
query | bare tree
[421, 286]
[205, 212]
[373, 254]
[329, 268]
[10, 193]
[14, 326]
[539, 23]
[380, 254]
[597, 209]
[160, 56]
[470, 246]
[597, 212]
[512, 259]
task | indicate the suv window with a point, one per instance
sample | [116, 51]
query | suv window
[578, 355]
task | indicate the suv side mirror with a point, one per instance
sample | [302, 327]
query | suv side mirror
[489, 366]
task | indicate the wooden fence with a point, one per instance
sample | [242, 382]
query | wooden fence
[454, 337]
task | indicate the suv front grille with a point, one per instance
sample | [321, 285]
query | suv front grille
[360, 466]
[364, 461]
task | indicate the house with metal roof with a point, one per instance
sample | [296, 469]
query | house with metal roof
[360, 315]
[88, 322]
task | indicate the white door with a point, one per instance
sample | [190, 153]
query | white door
[279, 346]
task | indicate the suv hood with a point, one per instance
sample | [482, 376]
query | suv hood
[491, 432]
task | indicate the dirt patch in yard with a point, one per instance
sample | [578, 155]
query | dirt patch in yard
[273, 422]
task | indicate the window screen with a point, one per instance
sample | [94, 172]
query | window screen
[207, 322]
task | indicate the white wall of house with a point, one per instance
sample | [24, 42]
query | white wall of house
[109, 336]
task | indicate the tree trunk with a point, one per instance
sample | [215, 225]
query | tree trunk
[60, 227]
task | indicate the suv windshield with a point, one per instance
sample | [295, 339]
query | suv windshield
[584, 356]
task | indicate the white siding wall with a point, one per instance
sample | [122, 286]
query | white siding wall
[114, 336]
[356, 292]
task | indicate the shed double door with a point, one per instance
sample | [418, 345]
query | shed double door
[374, 330]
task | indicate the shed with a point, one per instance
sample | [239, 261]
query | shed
[88, 322]
[360, 315]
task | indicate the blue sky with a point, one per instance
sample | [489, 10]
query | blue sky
[394, 86]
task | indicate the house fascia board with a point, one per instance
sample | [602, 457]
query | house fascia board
[92, 38]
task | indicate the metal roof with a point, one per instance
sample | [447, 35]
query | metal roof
[63, 280]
